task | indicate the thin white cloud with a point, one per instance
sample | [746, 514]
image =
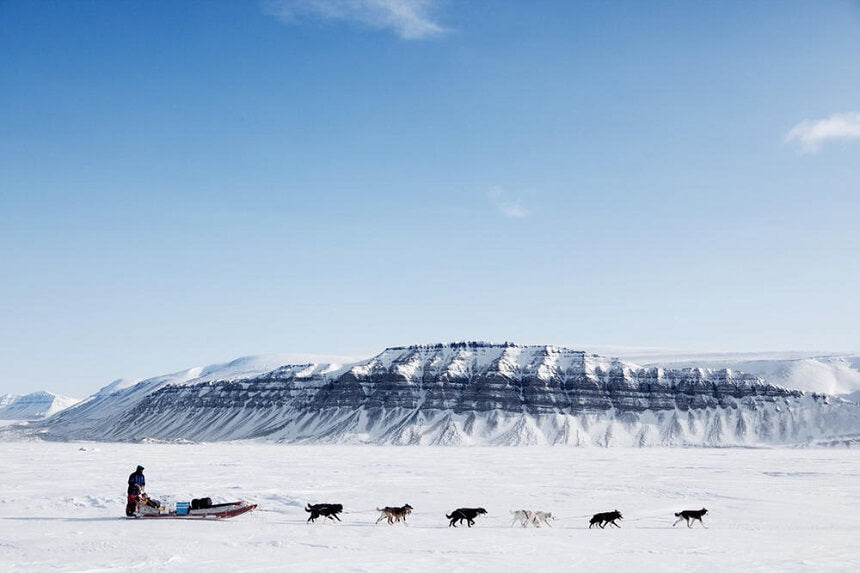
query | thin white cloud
[511, 207]
[809, 135]
[409, 19]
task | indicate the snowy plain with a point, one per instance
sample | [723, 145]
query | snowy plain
[781, 509]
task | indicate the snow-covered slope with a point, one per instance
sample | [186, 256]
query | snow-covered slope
[827, 374]
[33, 406]
[464, 393]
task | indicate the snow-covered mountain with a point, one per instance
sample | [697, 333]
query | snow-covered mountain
[462, 393]
[825, 374]
[837, 374]
[6, 399]
[33, 406]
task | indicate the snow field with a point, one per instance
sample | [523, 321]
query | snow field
[61, 508]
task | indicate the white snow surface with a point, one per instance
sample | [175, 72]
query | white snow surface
[769, 509]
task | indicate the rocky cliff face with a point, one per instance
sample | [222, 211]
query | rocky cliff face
[467, 393]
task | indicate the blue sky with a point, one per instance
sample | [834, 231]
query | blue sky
[183, 183]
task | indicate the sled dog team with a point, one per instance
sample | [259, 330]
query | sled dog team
[468, 514]
[136, 495]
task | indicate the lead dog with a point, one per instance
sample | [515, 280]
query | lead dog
[329, 510]
[394, 514]
[465, 513]
[601, 519]
[691, 515]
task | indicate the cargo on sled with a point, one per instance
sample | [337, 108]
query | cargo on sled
[144, 506]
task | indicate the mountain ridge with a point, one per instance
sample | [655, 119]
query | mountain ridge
[461, 393]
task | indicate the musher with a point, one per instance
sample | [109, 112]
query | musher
[136, 483]
[136, 477]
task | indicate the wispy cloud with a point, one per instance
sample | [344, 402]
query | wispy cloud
[511, 207]
[409, 19]
[810, 134]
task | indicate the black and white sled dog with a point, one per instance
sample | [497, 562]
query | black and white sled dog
[329, 510]
[526, 516]
[691, 515]
[601, 519]
[465, 513]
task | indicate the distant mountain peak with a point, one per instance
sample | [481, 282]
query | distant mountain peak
[34, 406]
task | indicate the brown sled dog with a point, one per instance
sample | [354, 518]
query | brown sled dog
[394, 514]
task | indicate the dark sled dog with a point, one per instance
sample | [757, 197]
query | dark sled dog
[601, 519]
[394, 514]
[329, 510]
[465, 513]
[691, 515]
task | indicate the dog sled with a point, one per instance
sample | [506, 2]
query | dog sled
[148, 508]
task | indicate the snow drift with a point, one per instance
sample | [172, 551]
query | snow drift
[461, 394]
